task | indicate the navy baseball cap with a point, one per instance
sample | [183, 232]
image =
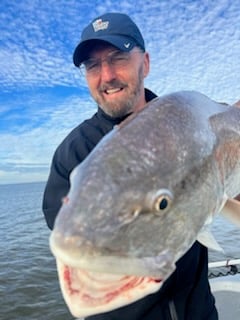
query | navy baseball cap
[118, 29]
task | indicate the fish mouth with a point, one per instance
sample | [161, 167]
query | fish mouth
[92, 283]
[87, 293]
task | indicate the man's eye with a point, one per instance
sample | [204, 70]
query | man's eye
[91, 65]
[119, 57]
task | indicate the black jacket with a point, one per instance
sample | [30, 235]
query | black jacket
[186, 294]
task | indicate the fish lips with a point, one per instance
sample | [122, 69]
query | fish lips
[159, 266]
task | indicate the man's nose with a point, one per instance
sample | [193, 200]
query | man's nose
[107, 71]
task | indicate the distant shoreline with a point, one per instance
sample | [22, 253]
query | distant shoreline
[20, 183]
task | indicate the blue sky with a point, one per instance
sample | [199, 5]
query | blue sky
[193, 45]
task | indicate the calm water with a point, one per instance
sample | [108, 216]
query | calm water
[28, 283]
[29, 287]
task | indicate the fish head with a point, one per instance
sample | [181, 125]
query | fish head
[98, 266]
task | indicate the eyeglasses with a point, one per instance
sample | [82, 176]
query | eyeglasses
[114, 59]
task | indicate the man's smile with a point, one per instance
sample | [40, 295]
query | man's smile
[113, 90]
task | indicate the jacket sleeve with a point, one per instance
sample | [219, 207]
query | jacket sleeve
[56, 188]
[71, 152]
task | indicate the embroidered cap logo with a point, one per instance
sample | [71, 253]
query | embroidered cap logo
[100, 25]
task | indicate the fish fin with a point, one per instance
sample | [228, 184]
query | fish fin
[231, 211]
[206, 238]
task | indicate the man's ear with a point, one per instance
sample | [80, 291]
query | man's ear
[146, 64]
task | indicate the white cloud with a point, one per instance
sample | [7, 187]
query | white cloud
[26, 155]
[198, 49]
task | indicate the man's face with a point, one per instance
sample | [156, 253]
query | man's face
[115, 79]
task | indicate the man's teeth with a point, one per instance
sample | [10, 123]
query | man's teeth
[109, 91]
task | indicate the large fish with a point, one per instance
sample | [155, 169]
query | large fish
[142, 197]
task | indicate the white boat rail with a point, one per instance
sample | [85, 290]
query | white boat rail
[225, 281]
[225, 263]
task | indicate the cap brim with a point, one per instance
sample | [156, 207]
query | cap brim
[82, 50]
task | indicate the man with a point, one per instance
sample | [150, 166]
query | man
[112, 54]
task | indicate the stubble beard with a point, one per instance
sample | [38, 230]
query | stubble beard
[122, 106]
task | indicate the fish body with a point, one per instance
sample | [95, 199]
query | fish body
[142, 197]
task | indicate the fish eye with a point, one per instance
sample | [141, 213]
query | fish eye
[163, 200]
